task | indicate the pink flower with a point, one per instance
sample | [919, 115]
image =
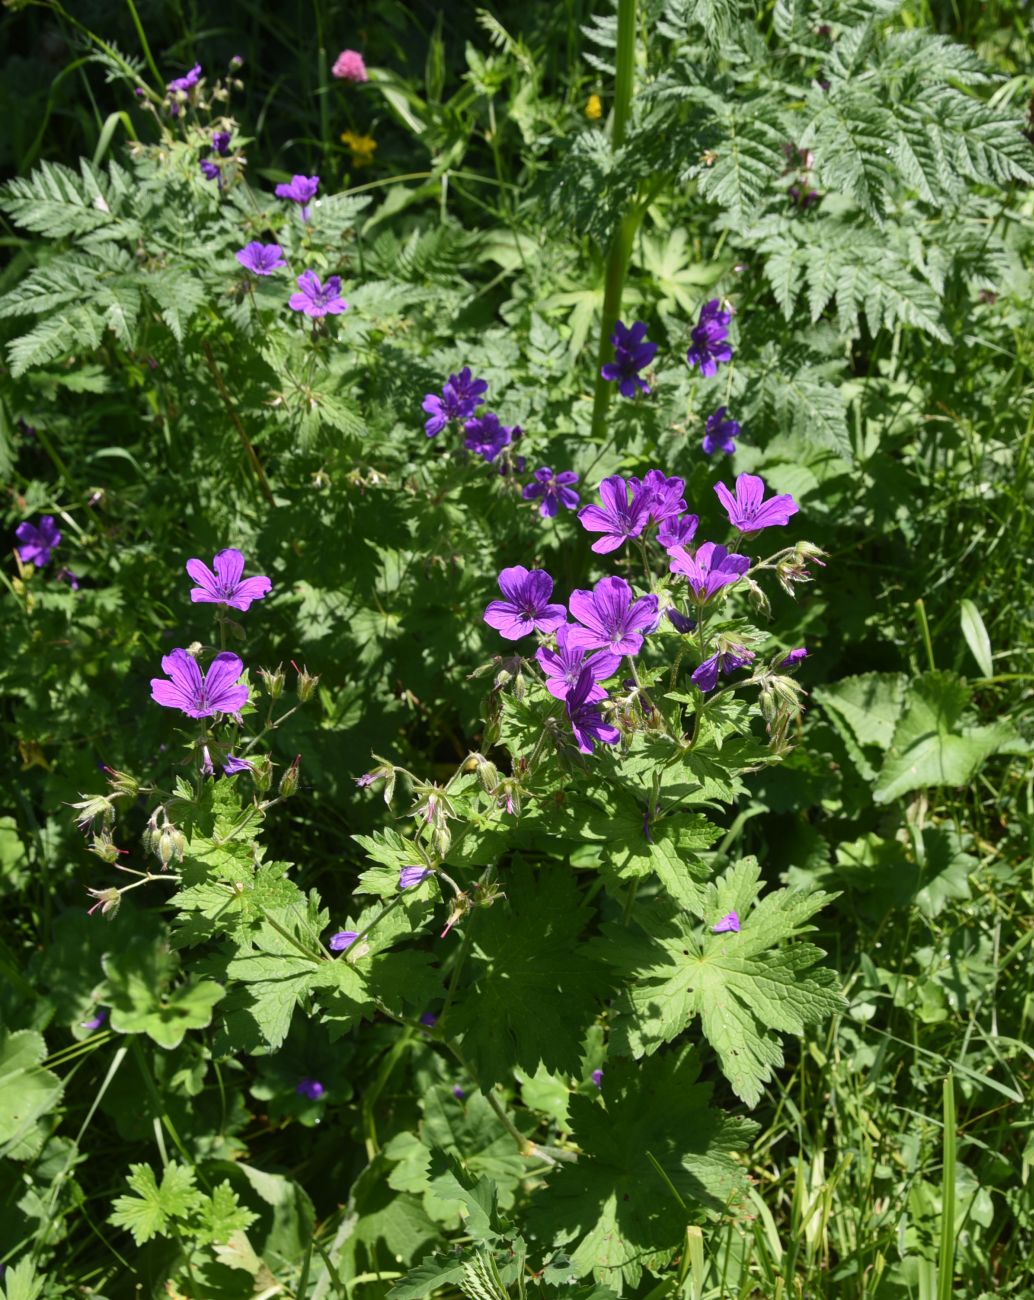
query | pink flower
[349, 66]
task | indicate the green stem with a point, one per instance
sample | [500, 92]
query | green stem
[143, 43]
[235, 420]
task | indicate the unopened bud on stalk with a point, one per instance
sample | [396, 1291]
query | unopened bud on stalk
[307, 683]
[289, 780]
[441, 838]
[122, 783]
[519, 687]
[107, 901]
[274, 679]
[758, 598]
[488, 774]
[104, 847]
[171, 844]
[262, 773]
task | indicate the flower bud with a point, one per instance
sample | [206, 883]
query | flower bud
[274, 679]
[289, 780]
[108, 901]
[262, 773]
[520, 688]
[122, 783]
[104, 847]
[236, 63]
[307, 683]
[441, 838]
[758, 598]
[488, 775]
[171, 844]
[92, 807]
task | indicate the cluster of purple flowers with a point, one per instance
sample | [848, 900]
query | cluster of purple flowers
[632, 505]
[314, 298]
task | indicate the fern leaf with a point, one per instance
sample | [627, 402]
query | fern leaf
[749, 160]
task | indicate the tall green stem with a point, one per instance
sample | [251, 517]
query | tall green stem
[617, 258]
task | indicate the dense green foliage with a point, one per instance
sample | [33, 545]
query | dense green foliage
[832, 1100]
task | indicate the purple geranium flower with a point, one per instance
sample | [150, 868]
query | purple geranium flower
[624, 513]
[429, 1019]
[209, 170]
[458, 1092]
[585, 717]
[709, 569]
[748, 511]
[794, 658]
[487, 436]
[632, 353]
[677, 530]
[234, 765]
[66, 575]
[187, 82]
[226, 586]
[95, 1021]
[726, 661]
[709, 335]
[563, 666]
[410, 876]
[612, 619]
[310, 1088]
[526, 607]
[460, 397]
[680, 622]
[342, 940]
[663, 496]
[36, 541]
[261, 259]
[728, 924]
[221, 142]
[299, 189]
[197, 696]
[720, 433]
[317, 299]
[597, 1078]
[554, 489]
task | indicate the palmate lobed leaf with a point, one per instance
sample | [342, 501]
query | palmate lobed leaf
[745, 988]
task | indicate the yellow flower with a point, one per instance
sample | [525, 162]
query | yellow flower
[594, 108]
[361, 147]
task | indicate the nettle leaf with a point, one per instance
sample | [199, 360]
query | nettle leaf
[654, 1156]
[149, 1212]
[533, 992]
[931, 746]
[742, 985]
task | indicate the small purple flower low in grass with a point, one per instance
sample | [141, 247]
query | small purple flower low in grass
[624, 513]
[460, 397]
[261, 259]
[95, 1021]
[527, 607]
[411, 876]
[612, 618]
[221, 142]
[563, 666]
[678, 530]
[429, 1019]
[487, 437]
[555, 490]
[227, 585]
[342, 940]
[632, 353]
[311, 1089]
[748, 511]
[728, 924]
[36, 541]
[197, 696]
[188, 81]
[709, 347]
[209, 170]
[709, 569]
[597, 1078]
[719, 433]
[233, 765]
[726, 661]
[300, 190]
[458, 1092]
[584, 715]
[663, 497]
[316, 299]
[794, 658]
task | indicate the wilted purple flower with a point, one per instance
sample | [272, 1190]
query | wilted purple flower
[316, 299]
[663, 496]
[221, 142]
[429, 1019]
[301, 190]
[612, 619]
[708, 570]
[554, 489]
[624, 513]
[207, 766]
[225, 586]
[410, 876]
[726, 661]
[719, 433]
[197, 696]
[597, 1078]
[794, 658]
[458, 1092]
[261, 259]
[460, 397]
[349, 66]
[729, 923]
[680, 622]
[487, 437]
[96, 1020]
[748, 511]
[585, 717]
[677, 530]
[366, 779]
[310, 1088]
[66, 575]
[187, 82]
[563, 666]
[709, 335]
[632, 353]
[342, 940]
[37, 541]
[526, 607]
[209, 170]
[233, 765]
